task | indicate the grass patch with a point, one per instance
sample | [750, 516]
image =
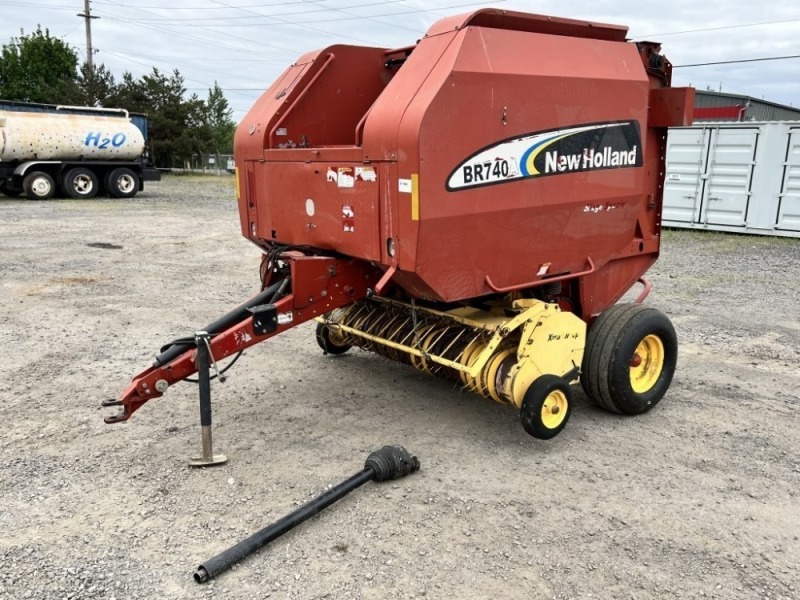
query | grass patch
[722, 241]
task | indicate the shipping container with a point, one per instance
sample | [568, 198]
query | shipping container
[737, 177]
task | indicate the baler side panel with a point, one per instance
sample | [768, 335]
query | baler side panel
[382, 141]
[251, 136]
[249, 139]
[667, 107]
[515, 230]
[331, 205]
[305, 182]
[328, 111]
[410, 161]
[382, 126]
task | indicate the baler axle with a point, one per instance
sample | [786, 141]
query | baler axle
[390, 462]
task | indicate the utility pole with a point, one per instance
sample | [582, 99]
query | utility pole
[87, 16]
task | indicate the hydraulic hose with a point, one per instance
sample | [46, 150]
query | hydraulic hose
[230, 319]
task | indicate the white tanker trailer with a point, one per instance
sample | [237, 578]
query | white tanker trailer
[80, 152]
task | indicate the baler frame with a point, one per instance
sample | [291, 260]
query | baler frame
[319, 284]
[376, 216]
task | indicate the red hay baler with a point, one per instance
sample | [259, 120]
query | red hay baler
[466, 205]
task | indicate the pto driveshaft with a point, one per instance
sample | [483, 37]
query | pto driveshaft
[390, 462]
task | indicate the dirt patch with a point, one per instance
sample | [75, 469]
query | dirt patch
[697, 498]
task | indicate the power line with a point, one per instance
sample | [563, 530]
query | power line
[282, 61]
[350, 17]
[204, 41]
[184, 20]
[207, 86]
[372, 18]
[741, 25]
[230, 89]
[193, 8]
[733, 62]
[29, 5]
[295, 24]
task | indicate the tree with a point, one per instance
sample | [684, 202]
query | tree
[96, 86]
[219, 120]
[37, 68]
[40, 68]
[176, 124]
[130, 94]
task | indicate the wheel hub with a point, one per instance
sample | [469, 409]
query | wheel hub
[554, 409]
[647, 364]
[83, 184]
[41, 187]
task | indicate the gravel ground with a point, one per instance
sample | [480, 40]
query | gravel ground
[696, 499]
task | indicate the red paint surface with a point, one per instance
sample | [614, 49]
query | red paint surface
[718, 112]
[471, 82]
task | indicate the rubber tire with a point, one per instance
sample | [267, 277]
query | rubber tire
[531, 412]
[610, 345]
[10, 192]
[30, 188]
[68, 183]
[124, 176]
[325, 342]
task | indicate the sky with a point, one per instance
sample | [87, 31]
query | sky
[245, 44]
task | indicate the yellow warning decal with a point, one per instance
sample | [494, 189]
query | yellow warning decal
[415, 196]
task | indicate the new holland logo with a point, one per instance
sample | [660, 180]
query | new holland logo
[557, 152]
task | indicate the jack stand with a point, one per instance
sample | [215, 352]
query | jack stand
[208, 458]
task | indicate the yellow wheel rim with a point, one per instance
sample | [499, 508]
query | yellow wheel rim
[647, 363]
[554, 409]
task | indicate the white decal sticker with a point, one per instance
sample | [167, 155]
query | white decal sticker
[346, 179]
[598, 208]
[348, 219]
[404, 185]
[281, 131]
[341, 176]
[310, 209]
[556, 152]
[543, 269]
[284, 318]
[366, 174]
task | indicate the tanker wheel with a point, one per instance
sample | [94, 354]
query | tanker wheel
[38, 185]
[331, 341]
[11, 192]
[546, 407]
[630, 358]
[122, 183]
[80, 183]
